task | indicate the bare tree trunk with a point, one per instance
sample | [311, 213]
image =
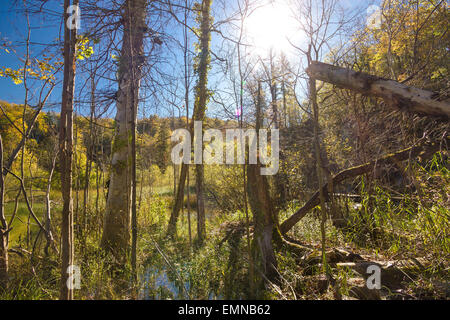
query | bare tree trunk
[174, 168]
[48, 217]
[184, 172]
[283, 91]
[116, 231]
[186, 98]
[201, 219]
[25, 104]
[3, 228]
[245, 184]
[89, 156]
[179, 199]
[97, 187]
[189, 209]
[263, 212]
[134, 108]
[66, 152]
[75, 173]
[29, 233]
[279, 179]
[395, 94]
[264, 222]
[199, 110]
[319, 163]
[201, 98]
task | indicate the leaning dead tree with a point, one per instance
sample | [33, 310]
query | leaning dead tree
[395, 94]
[413, 152]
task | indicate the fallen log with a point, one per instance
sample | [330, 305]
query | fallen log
[393, 273]
[358, 196]
[334, 256]
[395, 94]
[314, 201]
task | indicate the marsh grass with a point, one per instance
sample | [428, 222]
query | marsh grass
[379, 226]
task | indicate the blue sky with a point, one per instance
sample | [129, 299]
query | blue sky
[46, 29]
[13, 29]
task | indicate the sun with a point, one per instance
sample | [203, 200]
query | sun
[270, 27]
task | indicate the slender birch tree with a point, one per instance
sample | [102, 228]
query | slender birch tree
[3, 228]
[66, 150]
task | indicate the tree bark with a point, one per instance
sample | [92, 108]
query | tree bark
[48, 217]
[66, 153]
[116, 231]
[89, 156]
[424, 151]
[395, 94]
[186, 98]
[201, 98]
[264, 222]
[172, 227]
[264, 214]
[3, 228]
[319, 162]
[200, 109]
